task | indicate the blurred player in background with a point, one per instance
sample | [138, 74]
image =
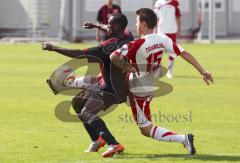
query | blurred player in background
[169, 21]
[143, 58]
[195, 31]
[104, 13]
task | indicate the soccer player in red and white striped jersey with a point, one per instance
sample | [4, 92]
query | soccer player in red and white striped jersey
[169, 22]
[143, 58]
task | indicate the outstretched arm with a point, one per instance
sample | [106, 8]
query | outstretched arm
[98, 27]
[207, 77]
[89, 25]
[72, 53]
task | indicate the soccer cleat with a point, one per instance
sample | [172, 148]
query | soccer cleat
[188, 143]
[113, 149]
[95, 146]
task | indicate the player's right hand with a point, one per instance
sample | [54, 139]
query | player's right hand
[47, 46]
[88, 25]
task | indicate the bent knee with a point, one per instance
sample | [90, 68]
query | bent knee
[78, 104]
[145, 131]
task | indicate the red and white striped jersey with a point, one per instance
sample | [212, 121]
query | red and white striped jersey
[145, 55]
[167, 11]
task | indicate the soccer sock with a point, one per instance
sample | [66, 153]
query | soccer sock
[163, 134]
[101, 128]
[170, 62]
[91, 132]
[82, 82]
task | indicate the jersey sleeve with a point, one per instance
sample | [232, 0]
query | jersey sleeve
[123, 51]
[129, 50]
[177, 12]
[175, 4]
[95, 54]
[172, 48]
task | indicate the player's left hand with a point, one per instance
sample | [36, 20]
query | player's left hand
[207, 77]
[47, 46]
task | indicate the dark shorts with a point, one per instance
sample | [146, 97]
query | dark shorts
[92, 103]
[107, 99]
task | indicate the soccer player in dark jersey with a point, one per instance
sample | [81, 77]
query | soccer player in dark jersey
[104, 13]
[113, 91]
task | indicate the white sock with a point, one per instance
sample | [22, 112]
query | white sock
[170, 63]
[82, 82]
[163, 134]
[95, 142]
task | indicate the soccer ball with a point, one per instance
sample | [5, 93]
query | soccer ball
[64, 75]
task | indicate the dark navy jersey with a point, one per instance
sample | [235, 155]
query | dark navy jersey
[114, 78]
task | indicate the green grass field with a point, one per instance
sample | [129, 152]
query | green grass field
[30, 131]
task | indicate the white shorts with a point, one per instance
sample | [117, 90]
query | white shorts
[140, 107]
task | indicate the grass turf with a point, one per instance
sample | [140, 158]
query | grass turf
[30, 131]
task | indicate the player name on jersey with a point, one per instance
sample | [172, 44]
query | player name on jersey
[155, 46]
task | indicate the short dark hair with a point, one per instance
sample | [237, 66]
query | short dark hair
[147, 15]
[120, 20]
